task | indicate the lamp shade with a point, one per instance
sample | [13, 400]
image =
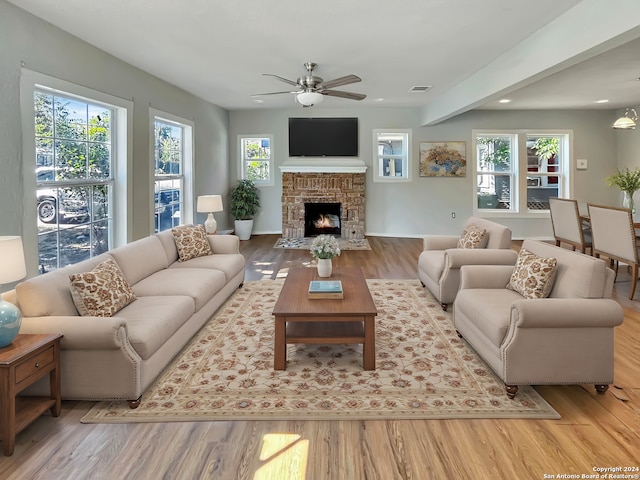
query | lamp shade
[209, 203]
[12, 266]
[308, 98]
[624, 123]
[627, 121]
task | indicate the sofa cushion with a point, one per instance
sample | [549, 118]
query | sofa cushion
[230, 263]
[473, 237]
[199, 283]
[141, 258]
[533, 275]
[151, 321]
[169, 244]
[49, 294]
[101, 292]
[490, 309]
[578, 275]
[191, 241]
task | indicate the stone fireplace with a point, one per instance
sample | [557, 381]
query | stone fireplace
[323, 187]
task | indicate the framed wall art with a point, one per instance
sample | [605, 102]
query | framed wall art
[443, 159]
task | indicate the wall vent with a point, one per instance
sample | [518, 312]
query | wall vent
[419, 89]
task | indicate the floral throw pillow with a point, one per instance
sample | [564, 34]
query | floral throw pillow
[191, 241]
[102, 291]
[533, 276]
[473, 237]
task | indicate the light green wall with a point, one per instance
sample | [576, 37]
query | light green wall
[424, 205]
[38, 46]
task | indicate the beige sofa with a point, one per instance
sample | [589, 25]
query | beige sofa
[566, 338]
[440, 261]
[118, 357]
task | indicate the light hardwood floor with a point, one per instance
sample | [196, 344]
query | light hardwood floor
[594, 431]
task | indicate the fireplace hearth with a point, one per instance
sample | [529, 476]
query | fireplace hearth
[322, 219]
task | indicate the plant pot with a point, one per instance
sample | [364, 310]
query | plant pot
[324, 267]
[243, 229]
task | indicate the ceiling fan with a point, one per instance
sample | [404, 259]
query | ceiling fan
[311, 89]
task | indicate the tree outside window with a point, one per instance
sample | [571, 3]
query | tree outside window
[256, 159]
[73, 165]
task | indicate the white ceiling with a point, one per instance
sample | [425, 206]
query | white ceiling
[543, 54]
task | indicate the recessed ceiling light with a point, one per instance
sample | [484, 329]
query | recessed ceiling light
[378, 100]
[504, 100]
[603, 100]
[258, 100]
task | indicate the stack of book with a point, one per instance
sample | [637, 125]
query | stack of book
[325, 289]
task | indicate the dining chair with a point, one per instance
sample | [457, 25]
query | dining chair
[567, 225]
[614, 237]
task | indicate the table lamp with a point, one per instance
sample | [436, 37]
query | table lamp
[209, 204]
[12, 269]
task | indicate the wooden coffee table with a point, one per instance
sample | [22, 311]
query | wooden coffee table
[299, 319]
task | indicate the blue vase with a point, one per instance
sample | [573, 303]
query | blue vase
[10, 321]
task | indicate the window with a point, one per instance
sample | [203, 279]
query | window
[517, 171]
[256, 158]
[171, 161]
[74, 165]
[392, 154]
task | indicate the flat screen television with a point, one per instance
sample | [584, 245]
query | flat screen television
[323, 137]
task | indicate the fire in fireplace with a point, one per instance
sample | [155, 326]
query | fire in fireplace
[322, 218]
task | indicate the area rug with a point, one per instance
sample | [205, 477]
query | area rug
[423, 370]
[304, 243]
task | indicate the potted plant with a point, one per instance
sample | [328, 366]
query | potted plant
[629, 182]
[324, 248]
[245, 201]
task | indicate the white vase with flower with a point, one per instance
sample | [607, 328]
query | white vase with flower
[323, 249]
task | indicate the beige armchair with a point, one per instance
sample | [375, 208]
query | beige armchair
[440, 261]
[567, 225]
[566, 338]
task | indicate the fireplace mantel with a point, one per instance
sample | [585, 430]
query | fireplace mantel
[323, 165]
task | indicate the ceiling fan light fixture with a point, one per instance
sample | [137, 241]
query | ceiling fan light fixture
[627, 121]
[308, 99]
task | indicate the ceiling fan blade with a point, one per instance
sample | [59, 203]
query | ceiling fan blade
[271, 93]
[337, 82]
[282, 79]
[349, 95]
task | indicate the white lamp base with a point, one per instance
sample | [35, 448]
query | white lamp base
[210, 225]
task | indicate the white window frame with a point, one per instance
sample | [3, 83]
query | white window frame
[241, 154]
[122, 146]
[405, 156]
[519, 171]
[186, 176]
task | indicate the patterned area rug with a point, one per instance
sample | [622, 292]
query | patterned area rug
[423, 370]
[304, 243]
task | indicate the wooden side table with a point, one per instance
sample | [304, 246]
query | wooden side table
[22, 363]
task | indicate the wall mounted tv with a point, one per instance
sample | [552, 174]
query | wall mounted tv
[323, 137]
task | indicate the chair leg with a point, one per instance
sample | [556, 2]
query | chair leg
[634, 280]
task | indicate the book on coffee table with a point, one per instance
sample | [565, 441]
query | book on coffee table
[325, 289]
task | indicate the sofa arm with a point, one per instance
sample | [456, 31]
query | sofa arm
[81, 333]
[457, 257]
[485, 276]
[439, 242]
[566, 313]
[224, 243]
